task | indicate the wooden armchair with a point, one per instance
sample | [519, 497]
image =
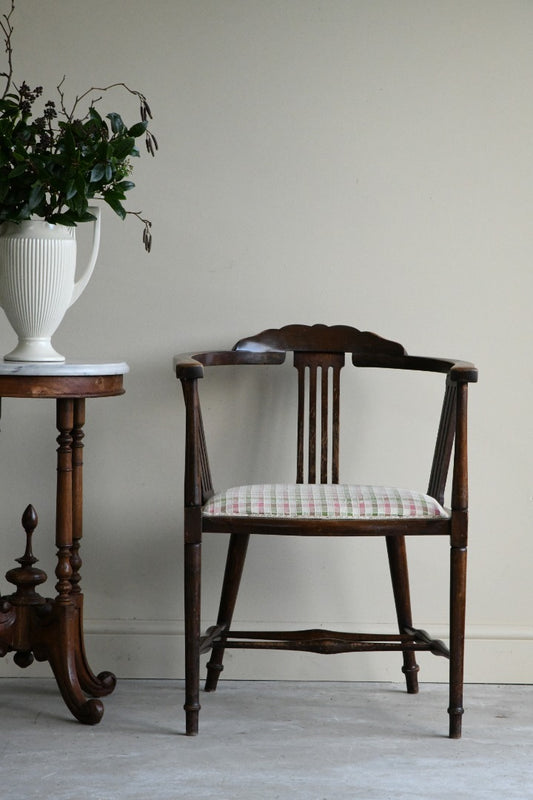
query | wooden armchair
[318, 505]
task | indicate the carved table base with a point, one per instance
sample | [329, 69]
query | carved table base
[51, 630]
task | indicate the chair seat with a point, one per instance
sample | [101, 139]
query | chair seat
[315, 501]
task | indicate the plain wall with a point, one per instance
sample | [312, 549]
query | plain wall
[365, 162]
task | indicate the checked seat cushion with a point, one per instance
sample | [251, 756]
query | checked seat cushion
[315, 501]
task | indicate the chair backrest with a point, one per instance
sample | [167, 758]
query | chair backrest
[319, 355]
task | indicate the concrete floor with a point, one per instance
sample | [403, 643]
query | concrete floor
[267, 741]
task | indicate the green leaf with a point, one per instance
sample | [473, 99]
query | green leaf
[117, 125]
[138, 129]
[19, 170]
[115, 204]
[86, 217]
[125, 186]
[70, 190]
[94, 115]
[77, 205]
[122, 148]
[36, 196]
[63, 219]
[97, 173]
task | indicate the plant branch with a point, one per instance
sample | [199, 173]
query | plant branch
[145, 111]
[147, 233]
[7, 30]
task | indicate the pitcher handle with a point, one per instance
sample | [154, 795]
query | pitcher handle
[80, 284]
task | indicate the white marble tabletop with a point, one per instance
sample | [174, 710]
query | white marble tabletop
[63, 368]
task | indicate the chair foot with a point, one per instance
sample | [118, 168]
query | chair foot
[411, 677]
[191, 719]
[456, 719]
[213, 674]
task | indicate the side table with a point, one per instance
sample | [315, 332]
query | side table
[51, 629]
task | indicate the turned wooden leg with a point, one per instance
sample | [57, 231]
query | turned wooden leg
[65, 423]
[77, 492]
[104, 683]
[62, 643]
[458, 557]
[192, 635]
[396, 551]
[238, 546]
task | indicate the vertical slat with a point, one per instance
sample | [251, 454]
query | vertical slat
[335, 422]
[324, 426]
[443, 445]
[205, 471]
[311, 467]
[198, 484]
[311, 423]
[301, 417]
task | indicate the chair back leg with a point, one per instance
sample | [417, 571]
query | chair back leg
[237, 548]
[397, 554]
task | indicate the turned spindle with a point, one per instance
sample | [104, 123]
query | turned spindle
[27, 577]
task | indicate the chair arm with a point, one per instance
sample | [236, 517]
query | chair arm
[463, 372]
[458, 371]
[191, 366]
[188, 368]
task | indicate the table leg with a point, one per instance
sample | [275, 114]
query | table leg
[104, 683]
[62, 634]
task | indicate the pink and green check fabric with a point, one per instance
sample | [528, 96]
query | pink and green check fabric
[313, 501]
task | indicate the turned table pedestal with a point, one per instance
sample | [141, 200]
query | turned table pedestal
[51, 629]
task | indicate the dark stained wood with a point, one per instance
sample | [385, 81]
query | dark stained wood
[51, 629]
[397, 554]
[327, 527]
[27, 577]
[61, 386]
[444, 444]
[238, 546]
[320, 640]
[319, 353]
[320, 339]
[318, 377]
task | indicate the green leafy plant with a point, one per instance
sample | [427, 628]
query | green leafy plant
[53, 164]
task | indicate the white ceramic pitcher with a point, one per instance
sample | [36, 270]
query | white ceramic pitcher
[38, 282]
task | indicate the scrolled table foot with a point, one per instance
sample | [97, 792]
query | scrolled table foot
[61, 647]
[96, 685]
[90, 713]
[107, 681]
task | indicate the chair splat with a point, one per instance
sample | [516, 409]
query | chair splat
[318, 416]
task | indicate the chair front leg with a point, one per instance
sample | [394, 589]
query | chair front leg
[192, 561]
[458, 557]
